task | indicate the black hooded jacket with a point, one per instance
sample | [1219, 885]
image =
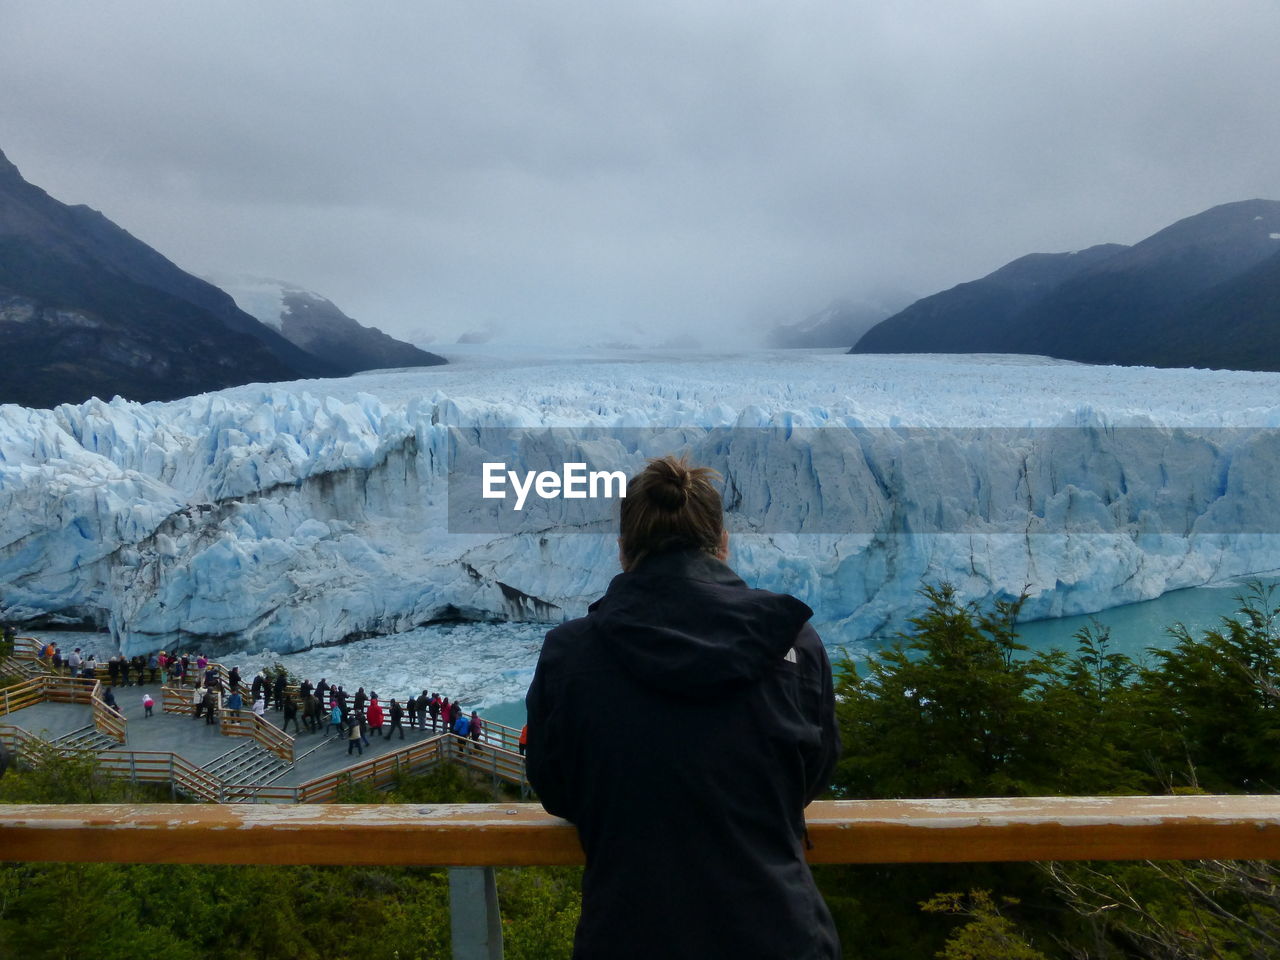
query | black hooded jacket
[683, 725]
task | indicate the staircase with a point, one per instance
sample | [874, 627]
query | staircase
[249, 762]
[20, 667]
[85, 738]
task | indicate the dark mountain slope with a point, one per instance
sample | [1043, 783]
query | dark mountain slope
[1127, 309]
[1193, 294]
[87, 309]
[1233, 326]
[982, 315]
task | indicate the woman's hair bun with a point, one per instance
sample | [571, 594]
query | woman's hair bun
[672, 480]
[670, 506]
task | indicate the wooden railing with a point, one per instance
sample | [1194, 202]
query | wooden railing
[243, 723]
[22, 694]
[515, 834]
[108, 721]
[506, 765]
[161, 767]
[17, 740]
[67, 689]
[177, 700]
[378, 771]
[473, 839]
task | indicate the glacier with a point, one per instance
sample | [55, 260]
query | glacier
[284, 517]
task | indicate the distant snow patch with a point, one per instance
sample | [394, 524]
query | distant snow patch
[1275, 236]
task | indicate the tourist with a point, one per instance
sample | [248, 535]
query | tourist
[475, 727]
[124, 671]
[374, 715]
[235, 703]
[433, 705]
[113, 670]
[278, 689]
[197, 700]
[260, 708]
[210, 705]
[153, 665]
[461, 729]
[678, 628]
[411, 702]
[354, 736]
[335, 719]
[397, 713]
[147, 704]
[309, 711]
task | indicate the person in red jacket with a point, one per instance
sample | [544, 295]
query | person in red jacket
[692, 822]
[374, 715]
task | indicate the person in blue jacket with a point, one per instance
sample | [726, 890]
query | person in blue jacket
[692, 820]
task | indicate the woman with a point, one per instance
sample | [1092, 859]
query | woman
[374, 715]
[693, 821]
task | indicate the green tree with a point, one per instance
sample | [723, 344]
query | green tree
[1213, 702]
[950, 709]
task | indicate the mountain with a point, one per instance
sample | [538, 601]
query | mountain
[1189, 295]
[316, 325]
[839, 324]
[1233, 326]
[87, 309]
[978, 317]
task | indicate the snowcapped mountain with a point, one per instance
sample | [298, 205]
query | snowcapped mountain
[316, 325]
[278, 518]
[840, 323]
[86, 309]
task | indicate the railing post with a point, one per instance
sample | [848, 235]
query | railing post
[474, 922]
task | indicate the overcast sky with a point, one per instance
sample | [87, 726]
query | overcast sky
[578, 166]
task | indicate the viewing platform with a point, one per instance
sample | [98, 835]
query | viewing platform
[239, 758]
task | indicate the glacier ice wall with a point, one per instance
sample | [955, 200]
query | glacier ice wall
[286, 516]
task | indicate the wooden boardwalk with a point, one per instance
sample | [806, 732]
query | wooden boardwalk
[238, 759]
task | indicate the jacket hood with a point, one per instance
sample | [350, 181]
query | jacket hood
[685, 623]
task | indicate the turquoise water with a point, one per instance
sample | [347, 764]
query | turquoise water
[1135, 627]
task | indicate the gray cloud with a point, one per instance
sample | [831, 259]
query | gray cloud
[567, 165]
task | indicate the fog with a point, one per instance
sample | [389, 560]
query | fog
[581, 172]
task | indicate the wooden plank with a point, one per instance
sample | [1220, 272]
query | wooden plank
[878, 831]
[1045, 828]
